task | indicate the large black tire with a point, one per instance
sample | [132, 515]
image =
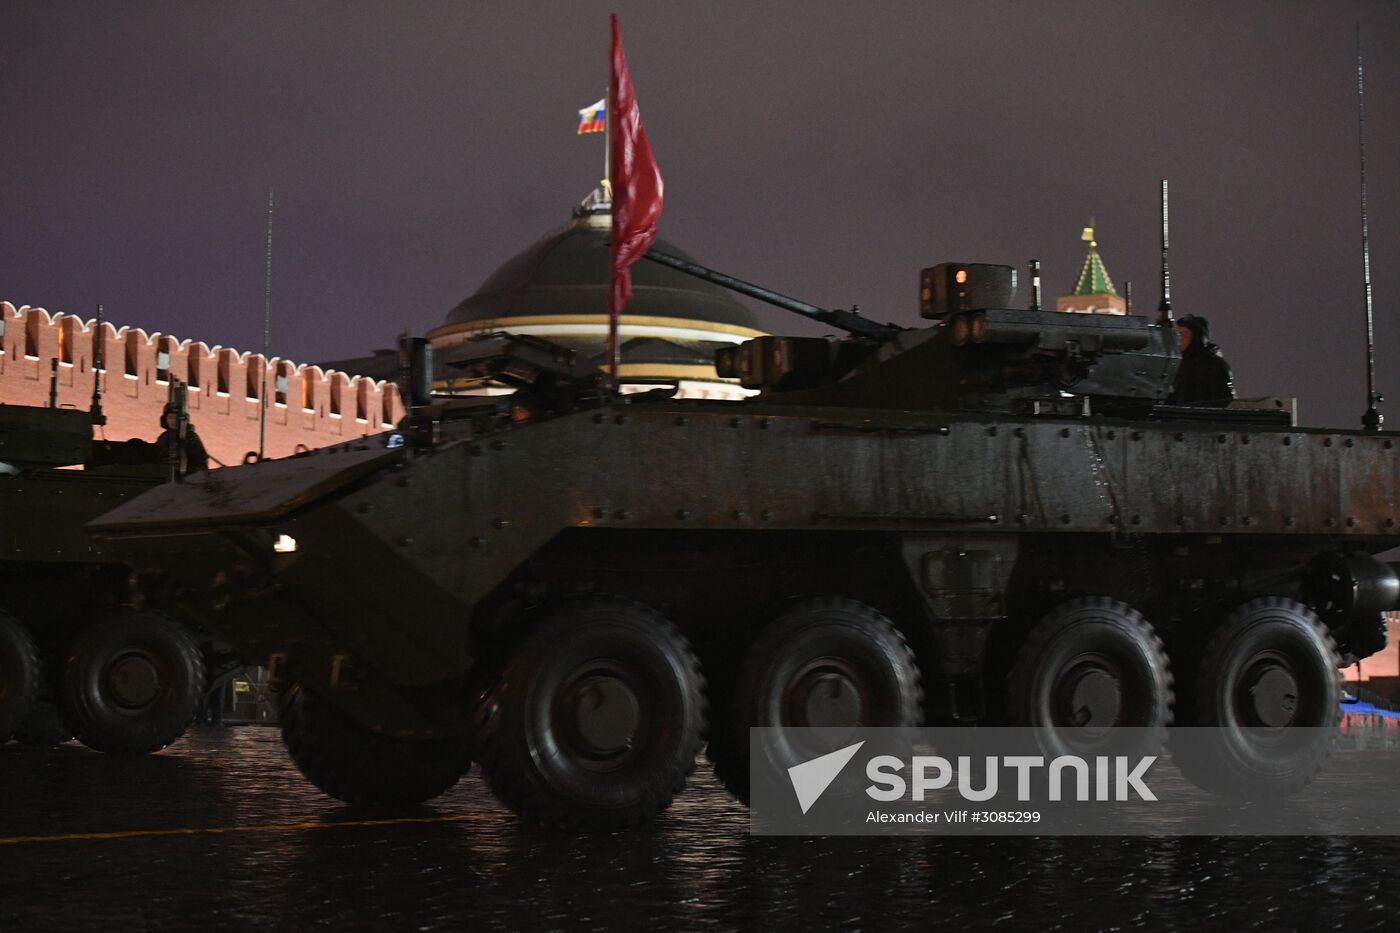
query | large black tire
[826, 662]
[43, 728]
[132, 683]
[362, 768]
[596, 721]
[1267, 703]
[1093, 679]
[20, 675]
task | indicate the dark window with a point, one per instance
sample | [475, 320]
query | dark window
[31, 333]
[388, 404]
[133, 352]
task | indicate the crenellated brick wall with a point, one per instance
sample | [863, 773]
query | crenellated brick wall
[318, 407]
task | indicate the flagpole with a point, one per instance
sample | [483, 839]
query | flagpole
[613, 313]
[267, 335]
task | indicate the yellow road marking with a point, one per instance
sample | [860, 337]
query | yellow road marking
[220, 830]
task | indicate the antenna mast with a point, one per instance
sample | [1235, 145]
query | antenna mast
[1164, 309]
[98, 369]
[1372, 419]
[267, 334]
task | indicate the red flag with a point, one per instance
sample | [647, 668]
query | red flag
[636, 190]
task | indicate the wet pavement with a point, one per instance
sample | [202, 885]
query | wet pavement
[221, 832]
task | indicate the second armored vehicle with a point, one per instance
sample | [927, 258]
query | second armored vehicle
[80, 653]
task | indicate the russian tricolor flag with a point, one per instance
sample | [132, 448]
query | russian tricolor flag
[593, 118]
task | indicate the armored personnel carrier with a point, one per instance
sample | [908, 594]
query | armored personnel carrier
[993, 519]
[80, 653]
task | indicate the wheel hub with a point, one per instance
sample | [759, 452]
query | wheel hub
[1273, 692]
[602, 715]
[828, 698]
[133, 681]
[1092, 697]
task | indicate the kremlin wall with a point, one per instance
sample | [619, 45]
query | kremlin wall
[308, 407]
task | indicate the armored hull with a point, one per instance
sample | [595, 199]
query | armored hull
[428, 582]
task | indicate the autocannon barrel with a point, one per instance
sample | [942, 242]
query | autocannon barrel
[849, 321]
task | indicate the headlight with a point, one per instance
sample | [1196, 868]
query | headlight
[285, 544]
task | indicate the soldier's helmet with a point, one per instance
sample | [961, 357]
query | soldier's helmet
[1198, 326]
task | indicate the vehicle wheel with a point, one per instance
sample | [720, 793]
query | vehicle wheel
[596, 721]
[827, 663]
[19, 675]
[43, 728]
[1267, 703]
[364, 768]
[1093, 679]
[132, 683]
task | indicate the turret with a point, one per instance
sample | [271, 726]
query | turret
[43, 437]
[978, 352]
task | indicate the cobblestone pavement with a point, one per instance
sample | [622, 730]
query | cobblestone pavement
[221, 832]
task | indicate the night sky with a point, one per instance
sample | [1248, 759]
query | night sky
[828, 150]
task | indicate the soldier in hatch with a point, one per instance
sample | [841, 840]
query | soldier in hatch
[1204, 377]
[195, 457]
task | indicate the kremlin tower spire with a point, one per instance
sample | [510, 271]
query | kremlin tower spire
[1094, 292]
